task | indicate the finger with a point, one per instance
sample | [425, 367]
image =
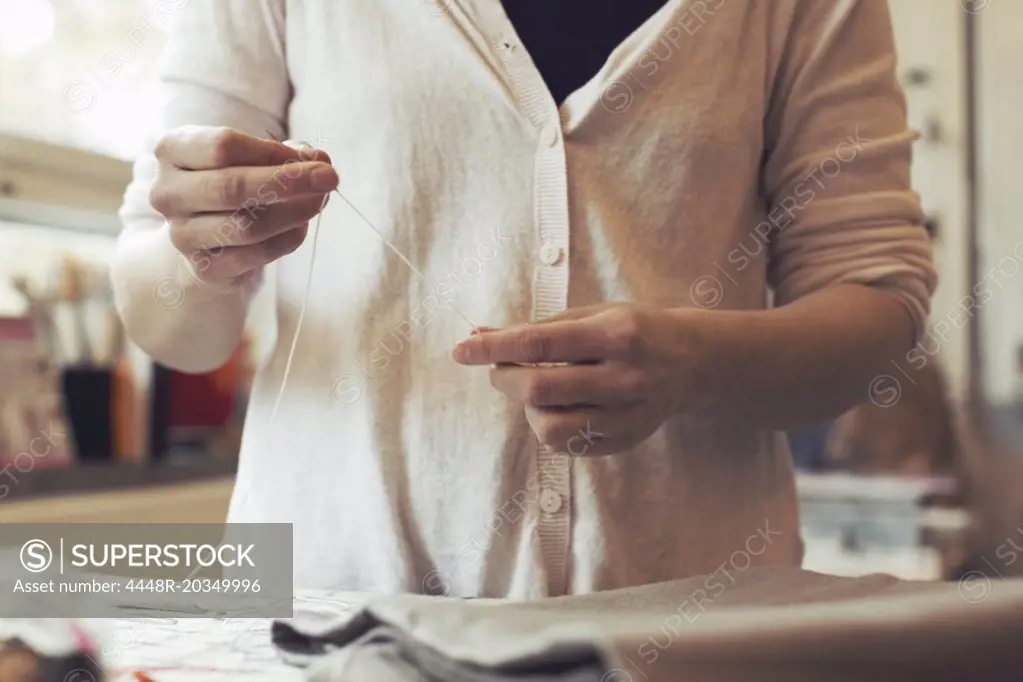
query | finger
[210, 148]
[569, 314]
[565, 341]
[245, 187]
[243, 227]
[575, 313]
[232, 262]
[598, 385]
[580, 433]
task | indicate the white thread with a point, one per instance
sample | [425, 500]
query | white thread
[305, 302]
[300, 146]
[401, 256]
[301, 312]
[308, 288]
[291, 352]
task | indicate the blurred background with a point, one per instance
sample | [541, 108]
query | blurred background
[920, 480]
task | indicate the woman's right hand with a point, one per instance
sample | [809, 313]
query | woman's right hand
[235, 202]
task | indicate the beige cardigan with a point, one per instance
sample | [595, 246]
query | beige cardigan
[728, 148]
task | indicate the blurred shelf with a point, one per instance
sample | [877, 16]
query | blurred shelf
[46, 184]
[855, 525]
[824, 555]
[59, 217]
[110, 477]
[840, 486]
[195, 502]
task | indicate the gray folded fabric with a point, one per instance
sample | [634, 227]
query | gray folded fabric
[759, 625]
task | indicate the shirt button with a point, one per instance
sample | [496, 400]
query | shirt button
[550, 501]
[549, 136]
[550, 253]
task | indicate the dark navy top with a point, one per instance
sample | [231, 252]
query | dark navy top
[569, 40]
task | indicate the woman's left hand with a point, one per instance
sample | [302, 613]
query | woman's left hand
[622, 370]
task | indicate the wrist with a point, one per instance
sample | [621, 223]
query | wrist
[697, 352]
[719, 353]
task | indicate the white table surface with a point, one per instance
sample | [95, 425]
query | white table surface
[207, 649]
[194, 649]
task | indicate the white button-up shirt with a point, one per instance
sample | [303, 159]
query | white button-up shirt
[729, 151]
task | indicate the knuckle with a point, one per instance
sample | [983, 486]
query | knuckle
[631, 383]
[289, 242]
[538, 390]
[233, 189]
[235, 263]
[221, 232]
[223, 144]
[237, 229]
[160, 199]
[624, 333]
[534, 346]
[162, 196]
[163, 148]
[179, 235]
[487, 350]
[214, 265]
[207, 270]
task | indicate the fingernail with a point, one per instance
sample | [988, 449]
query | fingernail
[324, 179]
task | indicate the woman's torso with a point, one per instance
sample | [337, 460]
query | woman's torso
[402, 471]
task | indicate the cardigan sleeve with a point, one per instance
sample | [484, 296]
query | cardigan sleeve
[224, 65]
[837, 169]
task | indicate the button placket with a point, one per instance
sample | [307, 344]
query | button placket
[553, 501]
[549, 136]
[550, 298]
[550, 253]
[550, 501]
[555, 489]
